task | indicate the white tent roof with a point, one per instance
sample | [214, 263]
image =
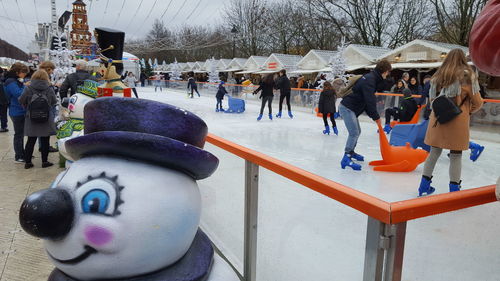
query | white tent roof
[251, 63]
[439, 46]
[371, 53]
[129, 56]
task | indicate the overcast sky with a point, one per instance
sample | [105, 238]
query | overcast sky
[18, 24]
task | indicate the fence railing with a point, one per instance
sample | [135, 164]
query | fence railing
[387, 221]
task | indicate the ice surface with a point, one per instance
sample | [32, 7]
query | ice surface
[304, 235]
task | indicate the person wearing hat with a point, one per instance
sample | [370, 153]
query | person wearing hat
[130, 201]
[221, 92]
[404, 113]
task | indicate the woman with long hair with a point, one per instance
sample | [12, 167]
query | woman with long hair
[456, 80]
[14, 87]
[35, 126]
[266, 86]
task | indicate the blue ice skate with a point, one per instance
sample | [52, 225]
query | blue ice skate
[270, 116]
[347, 162]
[357, 157]
[476, 151]
[335, 131]
[455, 186]
[290, 114]
[259, 117]
[326, 131]
[278, 115]
[425, 186]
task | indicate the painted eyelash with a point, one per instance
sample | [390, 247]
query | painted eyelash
[114, 181]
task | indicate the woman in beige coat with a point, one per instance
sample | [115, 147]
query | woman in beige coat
[456, 80]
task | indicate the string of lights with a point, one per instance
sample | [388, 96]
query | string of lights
[192, 12]
[21, 17]
[178, 11]
[120, 12]
[135, 14]
[147, 17]
[7, 17]
[166, 9]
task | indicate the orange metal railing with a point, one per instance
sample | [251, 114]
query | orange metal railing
[390, 213]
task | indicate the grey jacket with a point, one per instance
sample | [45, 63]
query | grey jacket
[32, 129]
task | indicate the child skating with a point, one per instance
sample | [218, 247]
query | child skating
[326, 106]
[221, 92]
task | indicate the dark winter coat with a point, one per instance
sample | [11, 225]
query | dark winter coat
[363, 97]
[283, 84]
[3, 96]
[415, 89]
[407, 109]
[13, 90]
[192, 83]
[267, 89]
[72, 81]
[221, 92]
[33, 129]
[327, 101]
[425, 92]
[143, 77]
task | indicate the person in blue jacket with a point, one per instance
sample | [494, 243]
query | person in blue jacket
[14, 87]
[362, 99]
[221, 92]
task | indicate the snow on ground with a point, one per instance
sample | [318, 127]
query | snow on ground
[303, 235]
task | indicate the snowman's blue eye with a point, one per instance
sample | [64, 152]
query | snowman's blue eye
[95, 201]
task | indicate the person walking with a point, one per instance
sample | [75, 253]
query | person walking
[14, 87]
[4, 105]
[362, 99]
[455, 80]
[130, 81]
[266, 86]
[221, 92]
[326, 106]
[37, 99]
[283, 84]
[75, 79]
[194, 87]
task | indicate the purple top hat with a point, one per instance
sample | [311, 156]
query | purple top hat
[145, 130]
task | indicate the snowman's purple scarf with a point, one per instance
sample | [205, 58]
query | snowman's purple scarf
[194, 266]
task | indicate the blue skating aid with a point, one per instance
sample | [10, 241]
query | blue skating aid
[412, 133]
[475, 151]
[235, 105]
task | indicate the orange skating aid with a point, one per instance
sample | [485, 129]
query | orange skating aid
[397, 158]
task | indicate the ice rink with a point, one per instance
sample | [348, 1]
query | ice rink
[304, 235]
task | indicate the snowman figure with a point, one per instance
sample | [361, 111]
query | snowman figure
[70, 123]
[129, 206]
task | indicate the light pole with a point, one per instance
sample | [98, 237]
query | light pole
[234, 30]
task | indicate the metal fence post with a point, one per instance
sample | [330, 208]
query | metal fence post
[251, 212]
[374, 254]
[384, 251]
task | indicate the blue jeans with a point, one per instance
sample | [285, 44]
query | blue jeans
[18, 122]
[352, 124]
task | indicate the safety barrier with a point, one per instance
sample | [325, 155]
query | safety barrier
[386, 226]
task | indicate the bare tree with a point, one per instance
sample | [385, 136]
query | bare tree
[249, 18]
[456, 17]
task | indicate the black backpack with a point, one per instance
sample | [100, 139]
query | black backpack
[39, 108]
[445, 109]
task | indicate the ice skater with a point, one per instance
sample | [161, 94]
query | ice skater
[194, 87]
[283, 84]
[326, 106]
[130, 81]
[403, 113]
[266, 86]
[456, 80]
[157, 80]
[221, 92]
[362, 99]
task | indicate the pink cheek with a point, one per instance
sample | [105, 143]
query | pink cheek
[71, 107]
[98, 236]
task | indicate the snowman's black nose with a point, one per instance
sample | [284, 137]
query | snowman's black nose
[47, 213]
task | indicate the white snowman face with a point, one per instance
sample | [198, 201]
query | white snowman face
[76, 104]
[134, 219]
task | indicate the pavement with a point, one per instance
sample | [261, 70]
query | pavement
[22, 257]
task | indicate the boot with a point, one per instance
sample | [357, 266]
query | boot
[259, 117]
[425, 186]
[347, 162]
[455, 186]
[326, 131]
[387, 128]
[290, 114]
[221, 110]
[270, 116]
[216, 110]
[335, 131]
[475, 151]
[336, 115]
[278, 115]
[357, 156]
